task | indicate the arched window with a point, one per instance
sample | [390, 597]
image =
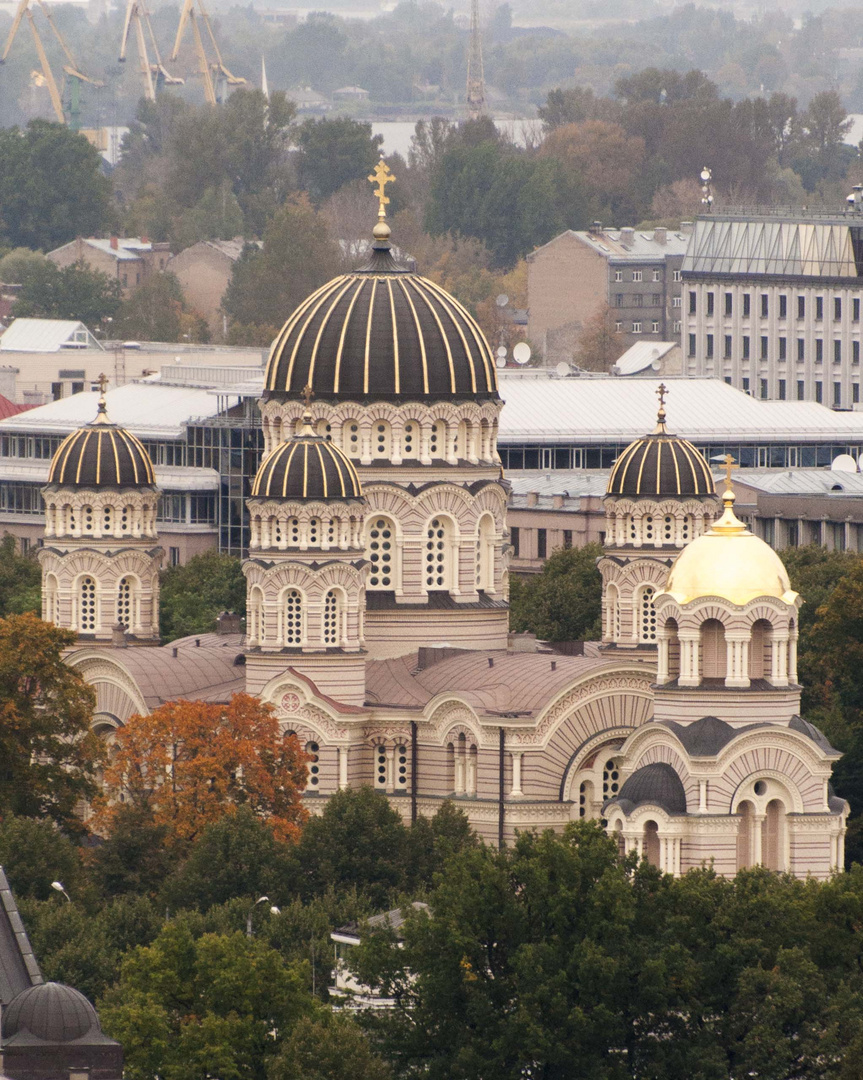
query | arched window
[651, 843]
[439, 554]
[382, 441]
[713, 659]
[256, 615]
[411, 440]
[773, 836]
[332, 628]
[107, 520]
[312, 749]
[50, 593]
[437, 440]
[88, 614]
[322, 428]
[351, 438]
[686, 528]
[673, 648]
[314, 532]
[585, 799]
[381, 777]
[401, 764]
[668, 528]
[294, 532]
[745, 846]
[760, 650]
[381, 553]
[647, 528]
[126, 601]
[485, 554]
[460, 446]
[126, 519]
[646, 614]
[292, 616]
[612, 611]
[87, 519]
[484, 445]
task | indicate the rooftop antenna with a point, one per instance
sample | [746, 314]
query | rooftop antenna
[475, 75]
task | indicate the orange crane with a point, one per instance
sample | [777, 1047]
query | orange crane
[71, 68]
[137, 13]
[206, 66]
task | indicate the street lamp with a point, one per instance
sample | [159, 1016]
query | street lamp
[58, 887]
[261, 900]
[706, 190]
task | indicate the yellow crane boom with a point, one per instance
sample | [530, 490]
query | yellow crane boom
[206, 66]
[46, 69]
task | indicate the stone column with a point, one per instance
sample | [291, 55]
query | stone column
[662, 660]
[343, 767]
[737, 661]
[689, 673]
[515, 790]
[702, 796]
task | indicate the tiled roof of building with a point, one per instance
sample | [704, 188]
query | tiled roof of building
[18, 967]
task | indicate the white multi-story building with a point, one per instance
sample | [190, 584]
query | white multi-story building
[771, 304]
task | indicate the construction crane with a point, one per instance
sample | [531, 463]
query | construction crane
[136, 13]
[206, 66]
[71, 68]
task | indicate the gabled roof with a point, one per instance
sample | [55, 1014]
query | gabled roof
[642, 355]
[47, 335]
[18, 967]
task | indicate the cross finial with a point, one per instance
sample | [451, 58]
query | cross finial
[661, 391]
[381, 176]
[729, 468]
[103, 383]
[308, 394]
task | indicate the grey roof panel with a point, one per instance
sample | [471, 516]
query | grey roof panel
[19, 969]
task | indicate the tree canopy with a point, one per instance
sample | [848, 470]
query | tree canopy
[192, 595]
[564, 601]
[49, 291]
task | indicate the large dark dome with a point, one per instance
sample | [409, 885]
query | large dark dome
[661, 464]
[656, 783]
[381, 333]
[52, 1013]
[304, 468]
[101, 455]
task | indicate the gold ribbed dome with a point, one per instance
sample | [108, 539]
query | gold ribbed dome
[101, 454]
[730, 562]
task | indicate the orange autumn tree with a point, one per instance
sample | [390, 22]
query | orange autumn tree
[189, 763]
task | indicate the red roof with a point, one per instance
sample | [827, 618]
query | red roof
[9, 408]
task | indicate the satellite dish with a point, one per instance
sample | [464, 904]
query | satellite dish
[655, 366]
[501, 350]
[843, 463]
[500, 362]
[521, 353]
[502, 300]
[563, 369]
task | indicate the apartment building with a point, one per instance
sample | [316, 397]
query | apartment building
[634, 273]
[771, 304]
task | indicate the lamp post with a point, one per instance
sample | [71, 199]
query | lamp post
[58, 887]
[706, 189]
[261, 900]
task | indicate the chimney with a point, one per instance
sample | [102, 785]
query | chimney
[227, 622]
[118, 636]
[145, 239]
[686, 227]
[627, 236]
[175, 652]
[115, 243]
[595, 227]
[660, 234]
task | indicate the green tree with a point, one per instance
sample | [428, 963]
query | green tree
[51, 187]
[192, 596]
[564, 601]
[17, 265]
[268, 283]
[71, 292]
[431, 841]
[157, 311]
[358, 840]
[20, 580]
[133, 856]
[236, 856]
[49, 757]
[327, 1046]
[334, 152]
[34, 853]
[215, 216]
[190, 1008]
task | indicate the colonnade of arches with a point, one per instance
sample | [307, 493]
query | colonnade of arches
[66, 518]
[298, 619]
[96, 604]
[647, 524]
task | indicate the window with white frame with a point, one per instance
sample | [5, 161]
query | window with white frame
[332, 618]
[647, 614]
[126, 602]
[439, 555]
[292, 616]
[618, 275]
[618, 327]
[654, 327]
[636, 328]
[87, 612]
[657, 275]
[675, 301]
[314, 764]
[381, 553]
[636, 275]
[677, 275]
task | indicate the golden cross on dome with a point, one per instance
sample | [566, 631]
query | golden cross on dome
[662, 390]
[103, 383]
[729, 468]
[381, 176]
[308, 394]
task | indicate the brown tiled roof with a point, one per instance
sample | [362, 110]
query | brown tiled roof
[208, 672]
[521, 683]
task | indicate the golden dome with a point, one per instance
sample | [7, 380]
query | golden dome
[730, 562]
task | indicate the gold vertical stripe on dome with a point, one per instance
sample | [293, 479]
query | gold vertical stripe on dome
[133, 458]
[323, 295]
[99, 457]
[81, 457]
[628, 459]
[323, 470]
[355, 476]
[286, 472]
[658, 465]
[641, 467]
[436, 317]
[369, 336]
[396, 370]
[692, 469]
[345, 325]
[420, 338]
[445, 304]
[476, 330]
[673, 449]
[324, 321]
[60, 466]
[116, 460]
[278, 345]
[145, 456]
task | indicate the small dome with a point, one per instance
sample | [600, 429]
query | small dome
[658, 784]
[660, 464]
[729, 562]
[51, 1012]
[101, 455]
[381, 333]
[307, 467]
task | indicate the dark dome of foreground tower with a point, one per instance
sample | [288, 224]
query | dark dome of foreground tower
[307, 467]
[661, 464]
[381, 333]
[52, 1013]
[101, 454]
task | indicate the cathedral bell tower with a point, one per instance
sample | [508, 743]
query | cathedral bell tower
[660, 496]
[100, 560]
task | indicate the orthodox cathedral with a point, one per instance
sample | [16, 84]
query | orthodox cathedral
[377, 616]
